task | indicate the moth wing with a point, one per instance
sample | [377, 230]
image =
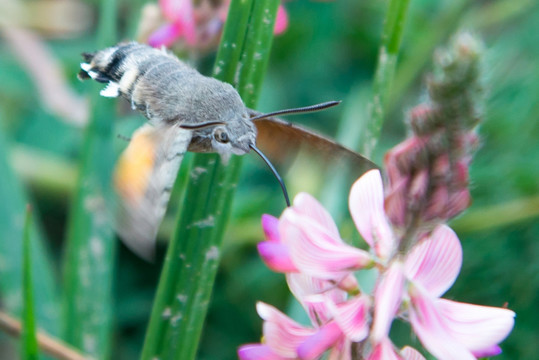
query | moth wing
[144, 177]
[281, 140]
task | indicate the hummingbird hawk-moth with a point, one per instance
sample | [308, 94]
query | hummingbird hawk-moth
[186, 111]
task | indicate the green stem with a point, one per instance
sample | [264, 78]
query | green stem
[192, 258]
[89, 260]
[385, 71]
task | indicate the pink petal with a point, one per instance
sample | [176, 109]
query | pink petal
[303, 287]
[180, 13]
[367, 208]
[419, 186]
[305, 204]
[276, 256]
[383, 350]
[353, 317]
[478, 328]
[282, 334]
[430, 327]
[395, 202]
[174, 10]
[488, 352]
[317, 252]
[342, 350]
[281, 22]
[166, 35]
[387, 299]
[316, 344]
[435, 262]
[270, 225]
[257, 352]
[409, 353]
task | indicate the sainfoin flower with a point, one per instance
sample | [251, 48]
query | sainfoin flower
[416, 255]
[198, 24]
[321, 276]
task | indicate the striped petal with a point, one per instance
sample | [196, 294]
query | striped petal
[352, 317]
[430, 327]
[308, 206]
[282, 334]
[478, 328]
[383, 350]
[304, 287]
[319, 342]
[366, 204]
[435, 262]
[409, 353]
[316, 251]
[387, 299]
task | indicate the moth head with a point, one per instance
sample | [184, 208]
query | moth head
[234, 135]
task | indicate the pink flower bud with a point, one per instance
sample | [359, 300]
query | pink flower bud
[418, 188]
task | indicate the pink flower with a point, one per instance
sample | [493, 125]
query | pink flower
[180, 23]
[306, 239]
[449, 329]
[286, 339]
[305, 243]
[198, 23]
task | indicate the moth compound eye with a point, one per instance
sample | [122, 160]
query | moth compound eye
[221, 136]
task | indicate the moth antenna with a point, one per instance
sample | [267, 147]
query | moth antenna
[300, 110]
[201, 126]
[274, 171]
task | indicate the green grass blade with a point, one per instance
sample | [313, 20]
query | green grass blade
[29, 350]
[89, 261]
[192, 259]
[12, 207]
[385, 71]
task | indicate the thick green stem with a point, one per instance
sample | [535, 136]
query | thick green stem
[193, 255]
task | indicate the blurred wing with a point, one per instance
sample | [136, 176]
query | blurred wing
[144, 177]
[279, 140]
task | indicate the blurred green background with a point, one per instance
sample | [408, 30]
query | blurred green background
[328, 52]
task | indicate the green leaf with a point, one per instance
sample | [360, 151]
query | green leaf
[193, 255]
[29, 349]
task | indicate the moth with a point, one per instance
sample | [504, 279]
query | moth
[186, 111]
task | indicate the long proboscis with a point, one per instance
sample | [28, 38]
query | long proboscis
[300, 110]
[274, 171]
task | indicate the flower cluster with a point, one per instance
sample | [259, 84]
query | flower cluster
[417, 257]
[196, 24]
[305, 244]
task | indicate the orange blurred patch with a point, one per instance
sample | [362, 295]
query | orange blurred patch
[135, 166]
